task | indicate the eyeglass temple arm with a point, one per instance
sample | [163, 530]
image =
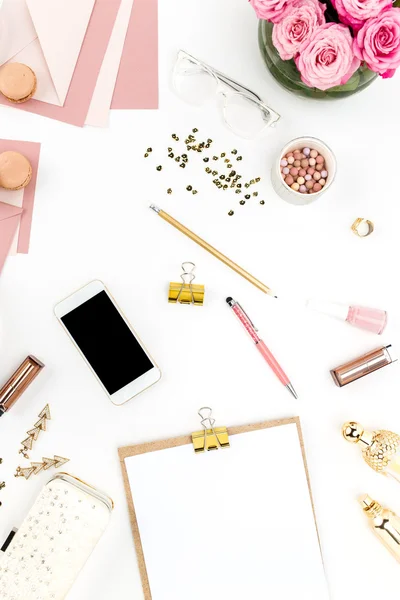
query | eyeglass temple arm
[238, 87]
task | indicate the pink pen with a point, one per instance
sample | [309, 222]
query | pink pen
[260, 345]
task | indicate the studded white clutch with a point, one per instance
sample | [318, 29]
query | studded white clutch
[43, 559]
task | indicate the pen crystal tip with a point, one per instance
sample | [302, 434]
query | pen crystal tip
[155, 208]
[229, 299]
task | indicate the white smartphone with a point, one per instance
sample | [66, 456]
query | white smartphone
[107, 342]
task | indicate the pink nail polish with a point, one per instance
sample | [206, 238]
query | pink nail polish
[370, 319]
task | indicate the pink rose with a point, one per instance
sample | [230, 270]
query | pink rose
[297, 26]
[270, 10]
[356, 12]
[378, 43]
[327, 59]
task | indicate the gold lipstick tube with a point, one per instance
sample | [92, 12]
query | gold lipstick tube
[384, 523]
[361, 366]
[19, 382]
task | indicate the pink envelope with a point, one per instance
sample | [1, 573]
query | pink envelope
[137, 82]
[88, 65]
[48, 37]
[32, 151]
[9, 222]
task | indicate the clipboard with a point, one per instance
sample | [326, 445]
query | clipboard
[207, 442]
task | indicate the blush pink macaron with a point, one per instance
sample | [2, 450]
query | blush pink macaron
[17, 82]
[15, 170]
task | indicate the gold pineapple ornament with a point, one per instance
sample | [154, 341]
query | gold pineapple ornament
[380, 449]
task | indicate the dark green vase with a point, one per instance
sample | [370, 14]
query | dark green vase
[286, 73]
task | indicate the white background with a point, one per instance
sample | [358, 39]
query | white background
[92, 220]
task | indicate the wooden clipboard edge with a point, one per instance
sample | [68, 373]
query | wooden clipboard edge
[127, 451]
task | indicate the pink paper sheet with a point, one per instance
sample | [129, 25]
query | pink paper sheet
[9, 222]
[87, 69]
[137, 82]
[32, 151]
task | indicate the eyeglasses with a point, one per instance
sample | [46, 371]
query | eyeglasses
[244, 111]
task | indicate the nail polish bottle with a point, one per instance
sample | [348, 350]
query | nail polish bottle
[380, 449]
[384, 523]
[370, 319]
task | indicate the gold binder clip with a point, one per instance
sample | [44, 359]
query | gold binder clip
[211, 438]
[186, 292]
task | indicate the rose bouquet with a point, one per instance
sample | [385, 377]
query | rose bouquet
[329, 48]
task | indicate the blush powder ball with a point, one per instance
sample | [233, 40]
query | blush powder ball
[304, 170]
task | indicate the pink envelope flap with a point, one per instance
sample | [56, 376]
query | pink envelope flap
[7, 211]
[17, 30]
[61, 28]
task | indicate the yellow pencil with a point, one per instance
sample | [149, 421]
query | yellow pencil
[227, 261]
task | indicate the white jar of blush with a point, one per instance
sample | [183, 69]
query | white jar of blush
[294, 196]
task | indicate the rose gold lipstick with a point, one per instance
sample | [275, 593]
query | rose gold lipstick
[19, 382]
[361, 366]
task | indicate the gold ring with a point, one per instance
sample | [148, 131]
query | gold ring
[358, 227]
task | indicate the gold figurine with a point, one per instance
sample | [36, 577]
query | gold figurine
[380, 449]
[384, 523]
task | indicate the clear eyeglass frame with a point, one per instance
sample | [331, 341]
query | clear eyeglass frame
[243, 111]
